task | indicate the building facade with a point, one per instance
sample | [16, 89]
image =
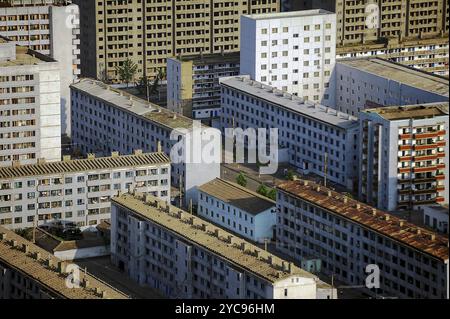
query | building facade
[351, 239]
[149, 32]
[184, 256]
[30, 272]
[105, 120]
[193, 84]
[50, 28]
[292, 51]
[30, 117]
[365, 83]
[404, 156]
[317, 139]
[237, 209]
[78, 191]
[436, 217]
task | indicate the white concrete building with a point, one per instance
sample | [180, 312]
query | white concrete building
[312, 134]
[404, 157]
[363, 83]
[78, 191]
[106, 119]
[292, 51]
[237, 209]
[436, 217]
[352, 239]
[193, 84]
[52, 29]
[184, 256]
[30, 117]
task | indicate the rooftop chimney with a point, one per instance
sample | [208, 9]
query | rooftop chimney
[91, 156]
[137, 152]
[25, 248]
[66, 158]
[114, 154]
[3, 236]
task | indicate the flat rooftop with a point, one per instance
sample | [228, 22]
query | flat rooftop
[400, 73]
[404, 112]
[210, 58]
[13, 255]
[200, 232]
[293, 14]
[289, 101]
[81, 165]
[130, 103]
[23, 56]
[399, 230]
[237, 196]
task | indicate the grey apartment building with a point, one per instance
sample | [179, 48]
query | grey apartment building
[184, 256]
[30, 116]
[311, 134]
[78, 190]
[106, 119]
[30, 272]
[49, 27]
[347, 236]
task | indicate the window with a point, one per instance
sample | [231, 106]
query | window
[306, 40]
[263, 43]
[328, 26]
[274, 30]
[263, 31]
[285, 29]
[263, 55]
[306, 28]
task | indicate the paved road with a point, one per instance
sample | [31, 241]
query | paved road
[102, 268]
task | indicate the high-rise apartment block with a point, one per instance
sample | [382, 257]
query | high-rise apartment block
[77, 191]
[30, 118]
[312, 137]
[411, 32]
[404, 156]
[105, 119]
[353, 240]
[30, 272]
[51, 28]
[149, 32]
[371, 82]
[293, 51]
[185, 256]
[193, 84]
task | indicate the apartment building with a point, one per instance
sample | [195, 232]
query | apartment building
[149, 32]
[78, 191]
[184, 256]
[404, 156]
[237, 209]
[317, 139]
[51, 28]
[365, 83]
[105, 119]
[30, 118]
[429, 55]
[292, 51]
[351, 239]
[30, 272]
[193, 83]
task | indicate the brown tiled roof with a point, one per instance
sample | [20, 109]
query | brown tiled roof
[376, 220]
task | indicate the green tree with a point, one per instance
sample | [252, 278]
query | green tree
[272, 194]
[290, 175]
[127, 71]
[262, 189]
[241, 180]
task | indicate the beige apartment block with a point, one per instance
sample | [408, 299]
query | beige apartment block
[148, 32]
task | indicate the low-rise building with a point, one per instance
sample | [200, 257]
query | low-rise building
[105, 119]
[193, 83]
[184, 256]
[30, 272]
[365, 83]
[360, 245]
[436, 217]
[318, 139]
[237, 209]
[77, 190]
[404, 156]
[30, 115]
